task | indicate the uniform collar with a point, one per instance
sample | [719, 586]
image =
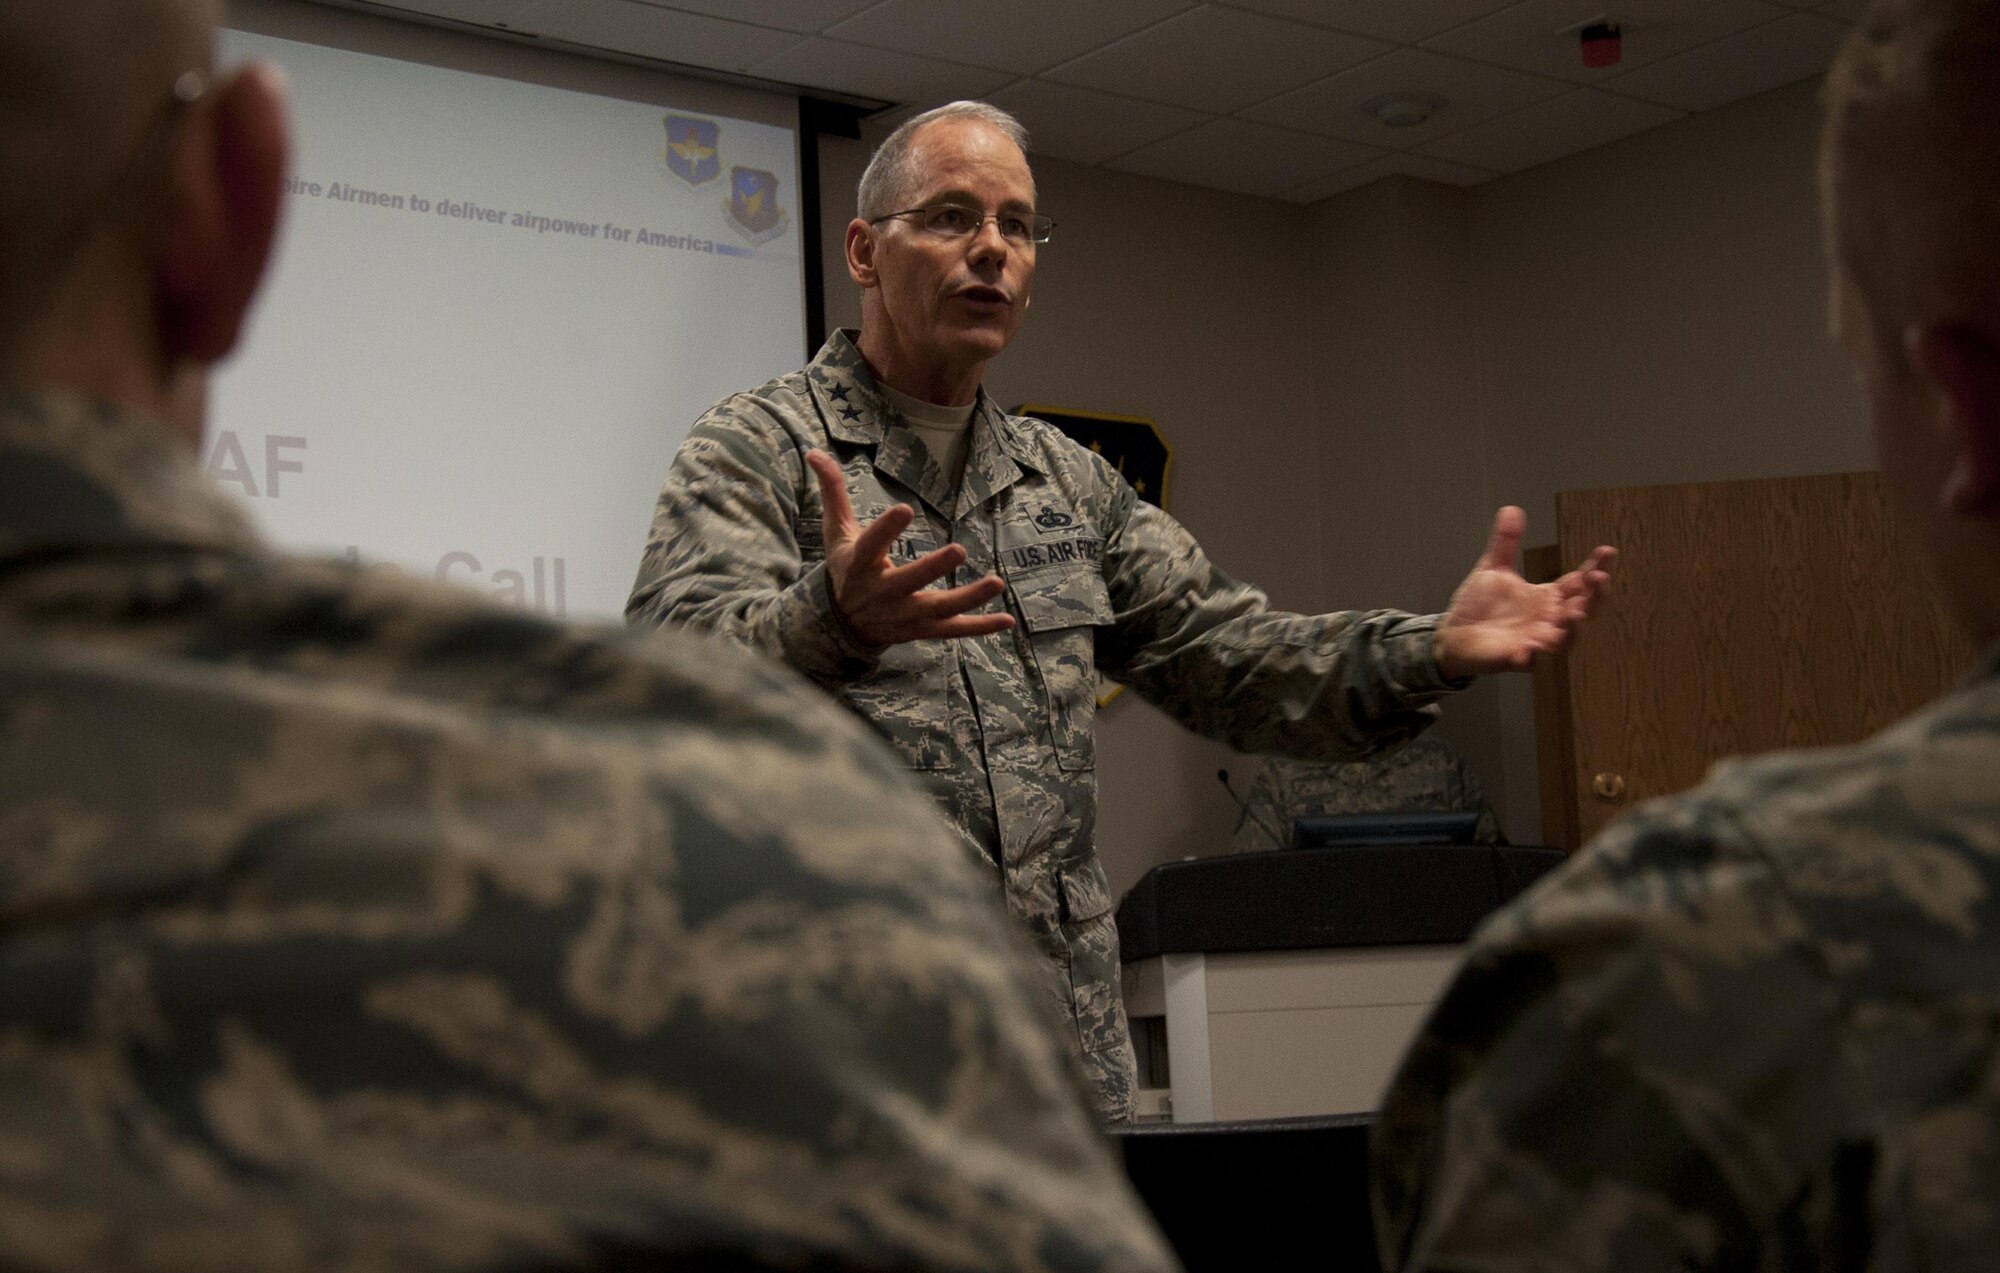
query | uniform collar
[855, 411]
[79, 474]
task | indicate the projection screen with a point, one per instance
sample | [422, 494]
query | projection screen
[496, 310]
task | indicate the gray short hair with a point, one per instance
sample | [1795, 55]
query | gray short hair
[889, 178]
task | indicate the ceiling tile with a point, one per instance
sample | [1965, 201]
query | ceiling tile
[1295, 71]
[1765, 57]
[628, 27]
[1406, 21]
[1036, 35]
[1387, 166]
[486, 13]
[787, 15]
[1473, 92]
[1548, 130]
[883, 73]
[1235, 154]
[1217, 59]
[1538, 35]
[1088, 127]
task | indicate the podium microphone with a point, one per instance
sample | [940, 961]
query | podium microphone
[1242, 809]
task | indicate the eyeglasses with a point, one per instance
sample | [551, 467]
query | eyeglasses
[955, 221]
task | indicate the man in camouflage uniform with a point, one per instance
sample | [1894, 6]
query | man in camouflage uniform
[1757, 1026]
[959, 576]
[350, 923]
[1424, 774]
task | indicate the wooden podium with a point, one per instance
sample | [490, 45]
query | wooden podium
[1287, 984]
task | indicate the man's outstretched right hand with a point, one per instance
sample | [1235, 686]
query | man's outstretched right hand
[882, 603]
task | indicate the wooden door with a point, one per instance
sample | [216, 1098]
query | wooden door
[1745, 617]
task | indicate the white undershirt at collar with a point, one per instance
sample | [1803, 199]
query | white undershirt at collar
[944, 430]
[921, 412]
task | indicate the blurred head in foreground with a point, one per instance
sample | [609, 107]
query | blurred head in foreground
[1755, 1025]
[349, 922]
[1910, 173]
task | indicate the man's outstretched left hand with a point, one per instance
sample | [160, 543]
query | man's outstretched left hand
[1498, 622]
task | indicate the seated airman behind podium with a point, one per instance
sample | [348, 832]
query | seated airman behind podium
[1423, 775]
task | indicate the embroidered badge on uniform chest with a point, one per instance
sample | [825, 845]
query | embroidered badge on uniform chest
[1044, 537]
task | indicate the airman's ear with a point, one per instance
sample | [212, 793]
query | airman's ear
[861, 253]
[1961, 359]
[220, 213]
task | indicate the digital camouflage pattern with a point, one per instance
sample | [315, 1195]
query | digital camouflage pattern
[1424, 774]
[1756, 1026]
[351, 923]
[1000, 728]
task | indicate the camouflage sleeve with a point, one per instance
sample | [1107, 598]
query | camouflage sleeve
[1211, 652]
[724, 555]
[1621, 1075]
[1262, 824]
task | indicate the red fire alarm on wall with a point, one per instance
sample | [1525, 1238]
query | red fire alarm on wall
[1603, 45]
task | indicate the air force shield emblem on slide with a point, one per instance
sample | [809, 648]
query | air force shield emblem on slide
[693, 149]
[753, 204]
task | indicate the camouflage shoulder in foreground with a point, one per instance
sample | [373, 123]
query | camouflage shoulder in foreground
[352, 923]
[1755, 1026]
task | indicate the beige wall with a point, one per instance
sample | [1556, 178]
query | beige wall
[1351, 389]
[1407, 486]
[1654, 312]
